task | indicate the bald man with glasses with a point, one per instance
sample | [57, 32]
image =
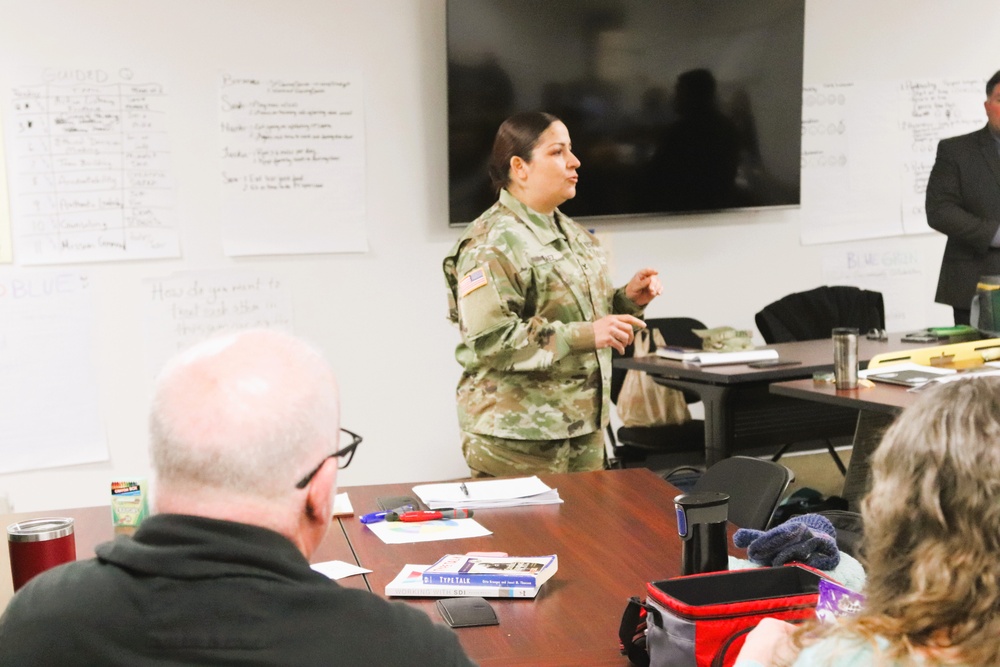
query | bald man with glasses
[245, 443]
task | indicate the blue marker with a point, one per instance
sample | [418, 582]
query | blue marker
[375, 517]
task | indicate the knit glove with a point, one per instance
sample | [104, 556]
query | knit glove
[806, 538]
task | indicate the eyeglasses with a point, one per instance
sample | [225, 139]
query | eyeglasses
[877, 334]
[345, 454]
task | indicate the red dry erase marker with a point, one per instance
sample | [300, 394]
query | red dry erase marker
[428, 515]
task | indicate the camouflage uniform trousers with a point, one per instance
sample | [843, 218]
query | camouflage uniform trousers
[490, 456]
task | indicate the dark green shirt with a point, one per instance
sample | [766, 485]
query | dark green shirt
[193, 591]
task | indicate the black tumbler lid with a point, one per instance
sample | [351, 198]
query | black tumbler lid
[700, 508]
[701, 499]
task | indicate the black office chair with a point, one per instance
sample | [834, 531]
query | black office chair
[812, 315]
[755, 488]
[850, 530]
[636, 446]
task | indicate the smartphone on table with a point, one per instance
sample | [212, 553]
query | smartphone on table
[773, 363]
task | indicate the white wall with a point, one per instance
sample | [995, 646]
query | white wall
[380, 316]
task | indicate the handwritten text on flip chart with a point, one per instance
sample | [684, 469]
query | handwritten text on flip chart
[883, 267]
[292, 160]
[49, 412]
[931, 110]
[186, 308]
[90, 170]
[868, 148]
[847, 190]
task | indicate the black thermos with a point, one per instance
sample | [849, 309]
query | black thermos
[701, 524]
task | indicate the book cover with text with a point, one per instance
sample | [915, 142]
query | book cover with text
[409, 583]
[517, 571]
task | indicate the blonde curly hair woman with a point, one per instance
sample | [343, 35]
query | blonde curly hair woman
[932, 546]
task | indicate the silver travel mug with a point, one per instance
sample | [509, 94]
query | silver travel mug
[845, 357]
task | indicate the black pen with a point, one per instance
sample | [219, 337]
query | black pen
[465, 489]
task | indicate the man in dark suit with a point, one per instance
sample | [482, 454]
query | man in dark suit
[963, 202]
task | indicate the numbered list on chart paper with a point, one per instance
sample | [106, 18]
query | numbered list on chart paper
[90, 170]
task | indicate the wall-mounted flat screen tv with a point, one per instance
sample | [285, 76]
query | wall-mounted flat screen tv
[673, 106]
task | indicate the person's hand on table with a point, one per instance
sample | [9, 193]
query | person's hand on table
[644, 287]
[616, 331]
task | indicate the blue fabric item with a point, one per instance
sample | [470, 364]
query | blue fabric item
[806, 538]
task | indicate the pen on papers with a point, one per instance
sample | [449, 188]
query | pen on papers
[428, 515]
[375, 517]
[465, 489]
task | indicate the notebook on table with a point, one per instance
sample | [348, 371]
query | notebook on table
[908, 375]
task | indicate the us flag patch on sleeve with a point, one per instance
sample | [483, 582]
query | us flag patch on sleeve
[472, 281]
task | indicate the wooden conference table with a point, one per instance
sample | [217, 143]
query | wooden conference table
[877, 406]
[615, 530]
[740, 410]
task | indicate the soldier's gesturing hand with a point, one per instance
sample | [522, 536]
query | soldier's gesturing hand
[644, 287]
[616, 331]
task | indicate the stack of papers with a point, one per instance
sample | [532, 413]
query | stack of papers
[715, 358]
[490, 493]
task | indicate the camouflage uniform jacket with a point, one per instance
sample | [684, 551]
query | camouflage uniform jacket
[525, 297]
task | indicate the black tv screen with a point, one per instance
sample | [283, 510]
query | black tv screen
[673, 106]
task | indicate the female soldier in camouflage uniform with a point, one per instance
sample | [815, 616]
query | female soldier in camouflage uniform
[531, 293]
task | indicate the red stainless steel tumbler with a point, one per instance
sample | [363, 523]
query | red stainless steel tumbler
[38, 544]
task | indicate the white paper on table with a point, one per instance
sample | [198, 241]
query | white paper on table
[342, 505]
[338, 569]
[735, 357]
[408, 532]
[491, 493]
